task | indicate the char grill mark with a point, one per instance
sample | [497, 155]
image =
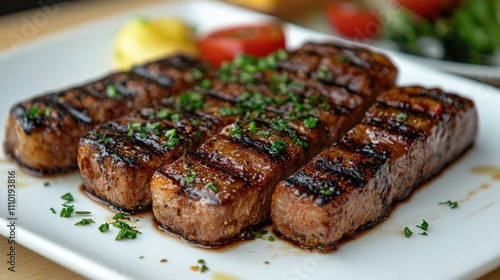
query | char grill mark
[252, 161]
[62, 118]
[137, 144]
[402, 141]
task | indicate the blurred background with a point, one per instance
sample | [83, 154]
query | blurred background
[458, 36]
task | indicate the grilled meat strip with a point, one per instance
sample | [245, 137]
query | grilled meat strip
[42, 133]
[212, 195]
[117, 159]
[409, 135]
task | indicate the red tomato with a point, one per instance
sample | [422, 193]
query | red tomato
[258, 40]
[351, 21]
[429, 9]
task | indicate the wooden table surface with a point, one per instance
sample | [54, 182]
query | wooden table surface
[31, 265]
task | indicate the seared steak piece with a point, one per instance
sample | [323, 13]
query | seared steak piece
[117, 159]
[409, 135]
[42, 133]
[214, 194]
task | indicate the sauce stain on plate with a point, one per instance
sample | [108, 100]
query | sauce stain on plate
[488, 170]
[223, 276]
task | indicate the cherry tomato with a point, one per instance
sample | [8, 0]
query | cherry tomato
[258, 40]
[352, 21]
[429, 9]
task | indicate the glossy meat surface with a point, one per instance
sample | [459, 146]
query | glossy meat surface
[406, 137]
[289, 113]
[42, 133]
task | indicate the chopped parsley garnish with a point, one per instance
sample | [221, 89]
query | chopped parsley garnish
[237, 131]
[407, 232]
[206, 84]
[104, 227]
[298, 141]
[197, 136]
[226, 111]
[46, 183]
[311, 122]
[120, 216]
[203, 267]
[271, 238]
[48, 111]
[452, 204]
[324, 74]
[424, 225]
[53, 210]
[253, 127]
[175, 117]
[84, 222]
[33, 112]
[112, 92]
[126, 231]
[212, 186]
[173, 138]
[190, 177]
[197, 74]
[66, 211]
[191, 100]
[83, 212]
[163, 113]
[278, 147]
[402, 116]
[68, 197]
[325, 192]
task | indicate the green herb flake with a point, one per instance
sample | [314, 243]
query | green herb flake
[190, 177]
[236, 131]
[84, 222]
[163, 113]
[33, 112]
[402, 116]
[212, 186]
[104, 227]
[452, 204]
[197, 136]
[68, 197]
[424, 225]
[203, 267]
[112, 92]
[175, 117]
[153, 126]
[311, 122]
[271, 238]
[120, 216]
[126, 231]
[53, 210]
[326, 192]
[253, 127]
[206, 84]
[46, 183]
[197, 74]
[278, 147]
[407, 232]
[66, 211]
[83, 212]
[423, 233]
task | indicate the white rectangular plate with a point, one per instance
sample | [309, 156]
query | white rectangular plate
[461, 243]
